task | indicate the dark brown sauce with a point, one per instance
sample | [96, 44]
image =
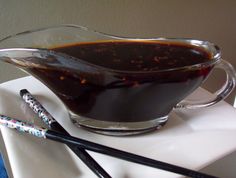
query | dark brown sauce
[138, 92]
[136, 56]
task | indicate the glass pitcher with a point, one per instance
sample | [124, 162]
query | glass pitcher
[116, 85]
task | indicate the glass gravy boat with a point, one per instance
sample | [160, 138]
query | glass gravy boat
[113, 99]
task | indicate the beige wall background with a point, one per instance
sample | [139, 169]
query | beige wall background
[212, 20]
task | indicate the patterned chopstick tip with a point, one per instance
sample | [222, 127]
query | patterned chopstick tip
[22, 126]
[37, 107]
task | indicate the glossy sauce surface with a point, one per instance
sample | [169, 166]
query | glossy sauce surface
[128, 87]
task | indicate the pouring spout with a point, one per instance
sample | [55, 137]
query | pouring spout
[16, 56]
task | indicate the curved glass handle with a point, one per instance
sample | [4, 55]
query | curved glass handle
[222, 93]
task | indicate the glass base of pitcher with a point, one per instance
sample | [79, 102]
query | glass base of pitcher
[118, 128]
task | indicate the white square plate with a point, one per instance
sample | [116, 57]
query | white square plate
[192, 139]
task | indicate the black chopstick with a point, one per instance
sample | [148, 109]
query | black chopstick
[59, 137]
[48, 119]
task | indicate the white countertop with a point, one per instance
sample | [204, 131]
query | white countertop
[191, 138]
